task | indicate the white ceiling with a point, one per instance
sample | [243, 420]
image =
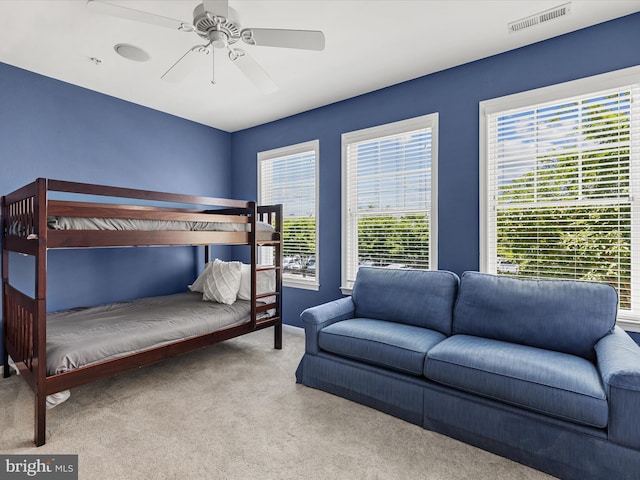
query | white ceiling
[369, 45]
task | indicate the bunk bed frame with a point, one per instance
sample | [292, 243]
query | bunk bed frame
[24, 319]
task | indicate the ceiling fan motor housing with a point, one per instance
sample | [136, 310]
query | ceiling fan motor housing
[220, 31]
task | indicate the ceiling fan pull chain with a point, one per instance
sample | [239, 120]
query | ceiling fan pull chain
[213, 66]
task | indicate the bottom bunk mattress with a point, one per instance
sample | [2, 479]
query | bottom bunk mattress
[82, 336]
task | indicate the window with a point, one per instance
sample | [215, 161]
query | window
[289, 175]
[389, 207]
[560, 184]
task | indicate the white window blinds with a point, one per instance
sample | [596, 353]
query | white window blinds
[288, 176]
[561, 179]
[388, 196]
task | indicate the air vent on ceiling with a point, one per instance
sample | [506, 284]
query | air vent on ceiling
[539, 18]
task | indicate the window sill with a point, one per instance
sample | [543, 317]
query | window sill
[628, 324]
[299, 283]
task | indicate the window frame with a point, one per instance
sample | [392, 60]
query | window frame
[429, 121]
[627, 319]
[290, 280]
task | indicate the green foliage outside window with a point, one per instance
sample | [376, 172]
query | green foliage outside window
[569, 217]
[382, 240]
[399, 240]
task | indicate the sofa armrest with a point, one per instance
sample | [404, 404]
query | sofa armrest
[316, 318]
[618, 358]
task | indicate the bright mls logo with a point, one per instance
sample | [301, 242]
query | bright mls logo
[57, 467]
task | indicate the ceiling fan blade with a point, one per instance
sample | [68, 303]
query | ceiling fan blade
[99, 6]
[252, 70]
[270, 37]
[217, 8]
[185, 64]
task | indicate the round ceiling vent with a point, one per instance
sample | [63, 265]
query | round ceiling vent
[131, 52]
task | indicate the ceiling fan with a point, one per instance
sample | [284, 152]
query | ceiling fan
[213, 21]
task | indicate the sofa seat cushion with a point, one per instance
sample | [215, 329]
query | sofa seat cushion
[544, 381]
[388, 344]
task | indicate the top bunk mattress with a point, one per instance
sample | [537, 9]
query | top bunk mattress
[83, 336]
[131, 224]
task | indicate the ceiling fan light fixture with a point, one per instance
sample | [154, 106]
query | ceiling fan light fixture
[218, 39]
[131, 52]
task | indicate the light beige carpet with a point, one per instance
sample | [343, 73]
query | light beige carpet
[234, 411]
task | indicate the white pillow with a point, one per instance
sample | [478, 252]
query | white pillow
[265, 282]
[198, 285]
[223, 282]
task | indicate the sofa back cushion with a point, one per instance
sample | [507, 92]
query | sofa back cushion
[562, 315]
[423, 298]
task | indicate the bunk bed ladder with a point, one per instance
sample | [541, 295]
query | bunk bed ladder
[253, 221]
[272, 215]
[278, 266]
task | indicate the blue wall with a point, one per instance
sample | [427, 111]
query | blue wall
[52, 129]
[455, 94]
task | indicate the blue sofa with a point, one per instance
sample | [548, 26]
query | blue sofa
[534, 370]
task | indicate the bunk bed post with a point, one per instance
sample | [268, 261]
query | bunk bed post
[277, 332]
[5, 282]
[40, 318]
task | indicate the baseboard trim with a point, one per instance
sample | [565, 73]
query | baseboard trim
[292, 329]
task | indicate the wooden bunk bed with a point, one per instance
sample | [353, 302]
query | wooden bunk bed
[28, 215]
